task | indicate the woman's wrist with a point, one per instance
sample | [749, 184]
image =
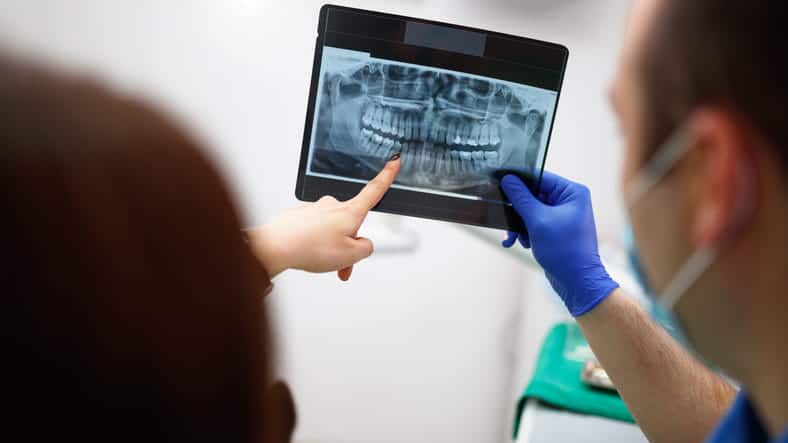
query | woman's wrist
[269, 250]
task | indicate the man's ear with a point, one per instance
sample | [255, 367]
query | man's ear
[722, 191]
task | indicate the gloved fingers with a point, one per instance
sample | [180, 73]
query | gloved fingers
[552, 187]
[521, 197]
[525, 240]
[551, 181]
[511, 238]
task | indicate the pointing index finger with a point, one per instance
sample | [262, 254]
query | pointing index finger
[374, 191]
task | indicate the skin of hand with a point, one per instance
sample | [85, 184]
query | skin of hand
[322, 236]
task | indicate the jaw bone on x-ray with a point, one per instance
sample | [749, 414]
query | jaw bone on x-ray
[453, 130]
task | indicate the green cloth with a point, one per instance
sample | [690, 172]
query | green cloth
[557, 382]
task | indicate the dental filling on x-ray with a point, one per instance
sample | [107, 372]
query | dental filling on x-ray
[453, 130]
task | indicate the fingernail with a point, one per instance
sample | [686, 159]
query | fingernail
[394, 157]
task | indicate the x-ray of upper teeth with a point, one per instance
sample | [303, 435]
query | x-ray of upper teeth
[453, 130]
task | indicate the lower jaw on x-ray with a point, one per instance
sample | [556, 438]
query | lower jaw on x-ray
[455, 132]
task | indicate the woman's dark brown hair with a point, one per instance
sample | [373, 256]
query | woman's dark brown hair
[132, 306]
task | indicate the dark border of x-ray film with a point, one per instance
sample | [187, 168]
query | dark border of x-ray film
[416, 203]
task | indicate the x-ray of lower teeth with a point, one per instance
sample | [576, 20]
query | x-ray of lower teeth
[452, 130]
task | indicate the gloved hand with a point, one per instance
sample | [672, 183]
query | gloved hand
[562, 234]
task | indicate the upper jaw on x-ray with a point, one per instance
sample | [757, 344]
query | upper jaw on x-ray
[452, 131]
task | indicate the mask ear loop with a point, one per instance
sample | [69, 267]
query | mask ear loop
[663, 161]
[673, 150]
[695, 266]
[701, 260]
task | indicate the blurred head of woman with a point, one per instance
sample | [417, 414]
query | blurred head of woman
[132, 305]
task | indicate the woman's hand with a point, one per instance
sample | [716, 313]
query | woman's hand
[322, 236]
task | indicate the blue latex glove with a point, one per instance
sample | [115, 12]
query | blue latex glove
[562, 235]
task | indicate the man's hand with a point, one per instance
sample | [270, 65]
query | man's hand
[322, 236]
[562, 234]
[650, 370]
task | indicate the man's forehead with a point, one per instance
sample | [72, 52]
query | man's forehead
[641, 22]
[639, 27]
[625, 89]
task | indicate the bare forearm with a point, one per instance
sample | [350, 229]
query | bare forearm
[268, 250]
[672, 396]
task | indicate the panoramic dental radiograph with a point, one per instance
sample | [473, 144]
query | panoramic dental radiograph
[453, 131]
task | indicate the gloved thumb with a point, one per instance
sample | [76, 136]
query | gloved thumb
[524, 202]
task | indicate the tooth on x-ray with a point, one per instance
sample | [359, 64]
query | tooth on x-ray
[452, 130]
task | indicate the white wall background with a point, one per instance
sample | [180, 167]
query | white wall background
[419, 347]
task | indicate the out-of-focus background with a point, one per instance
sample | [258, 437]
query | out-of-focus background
[435, 336]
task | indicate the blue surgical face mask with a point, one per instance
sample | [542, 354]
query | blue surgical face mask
[663, 303]
[659, 314]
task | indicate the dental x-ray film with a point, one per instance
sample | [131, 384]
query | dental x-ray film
[462, 107]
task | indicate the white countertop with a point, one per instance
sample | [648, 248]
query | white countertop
[542, 424]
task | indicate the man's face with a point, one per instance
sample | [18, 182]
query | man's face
[657, 218]
[699, 203]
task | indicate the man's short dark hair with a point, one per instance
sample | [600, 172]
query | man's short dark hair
[717, 52]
